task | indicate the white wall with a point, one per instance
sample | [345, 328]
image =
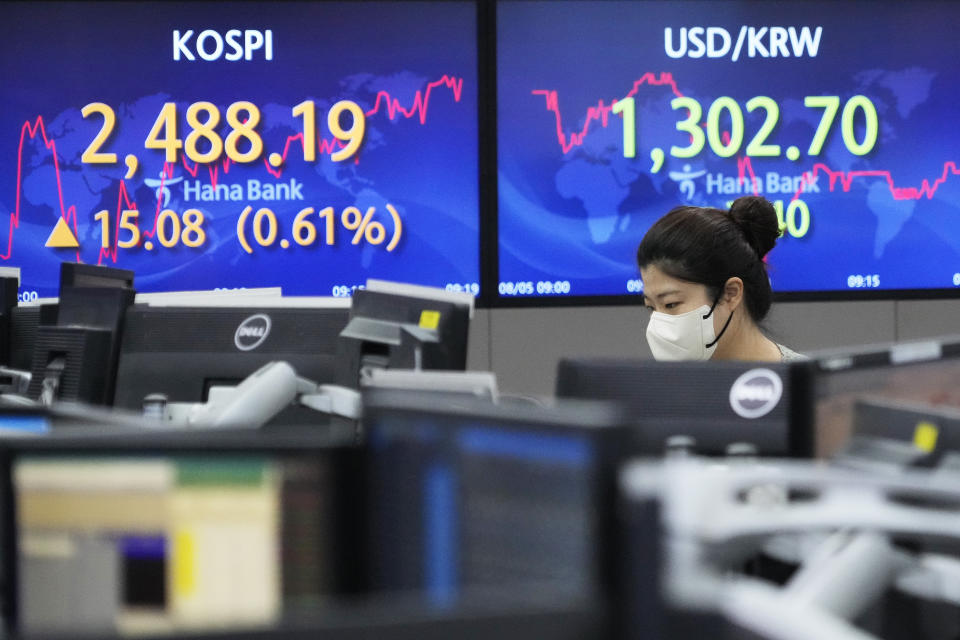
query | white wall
[523, 346]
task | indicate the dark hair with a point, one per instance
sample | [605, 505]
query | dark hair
[709, 246]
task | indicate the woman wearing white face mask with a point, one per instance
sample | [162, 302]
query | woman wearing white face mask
[706, 283]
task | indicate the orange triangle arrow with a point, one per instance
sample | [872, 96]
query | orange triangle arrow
[61, 237]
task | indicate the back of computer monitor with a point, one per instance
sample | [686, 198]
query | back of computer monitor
[718, 404]
[79, 275]
[932, 429]
[399, 329]
[182, 351]
[97, 308]
[72, 363]
[924, 372]
[75, 357]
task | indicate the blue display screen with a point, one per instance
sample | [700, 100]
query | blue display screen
[612, 113]
[241, 144]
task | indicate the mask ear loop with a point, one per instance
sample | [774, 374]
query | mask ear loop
[710, 313]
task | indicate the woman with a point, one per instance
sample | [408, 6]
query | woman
[706, 283]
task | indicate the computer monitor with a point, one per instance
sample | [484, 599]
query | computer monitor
[117, 531]
[76, 358]
[768, 405]
[181, 351]
[609, 114]
[401, 80]
[402, 326]
[465, 494]
[923, 372]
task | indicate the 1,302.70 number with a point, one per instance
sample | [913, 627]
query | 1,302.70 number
[757, 147]
[163, 135]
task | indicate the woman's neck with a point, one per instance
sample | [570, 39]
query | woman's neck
[743, 340]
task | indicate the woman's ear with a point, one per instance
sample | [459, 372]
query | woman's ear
[733, 293]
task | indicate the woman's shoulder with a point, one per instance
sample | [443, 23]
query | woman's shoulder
[789, 355]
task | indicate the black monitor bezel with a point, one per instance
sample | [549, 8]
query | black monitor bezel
[604, 423]
[79, 434]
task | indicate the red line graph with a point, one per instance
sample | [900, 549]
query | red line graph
[745, 166]
[68, 214]
[845, 179]
[327, 146]
[383, 101]
[124, 197]
[602, 110]
[420, 101]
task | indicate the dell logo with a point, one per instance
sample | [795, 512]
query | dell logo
[252, 332]
[756, 393]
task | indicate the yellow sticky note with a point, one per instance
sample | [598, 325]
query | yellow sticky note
[184, 563]
[429, 319]
[925, 436]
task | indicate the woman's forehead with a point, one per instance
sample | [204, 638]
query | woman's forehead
[656, 282]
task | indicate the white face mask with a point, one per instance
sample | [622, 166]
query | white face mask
[686, 336]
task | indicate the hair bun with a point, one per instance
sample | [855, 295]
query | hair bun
[758, 220]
